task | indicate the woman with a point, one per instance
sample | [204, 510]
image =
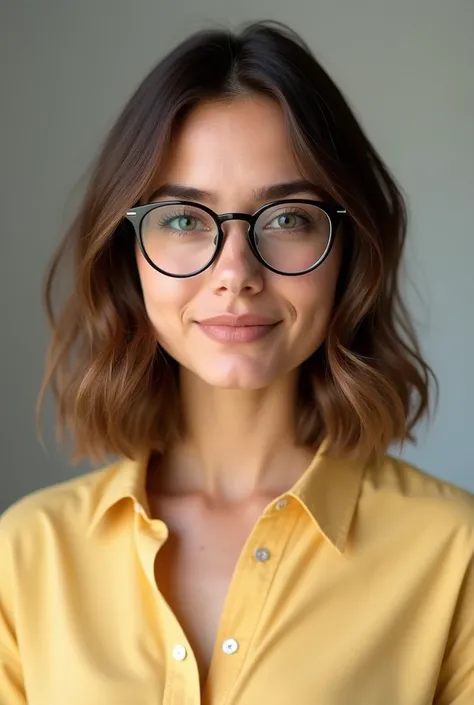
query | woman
[235, 335]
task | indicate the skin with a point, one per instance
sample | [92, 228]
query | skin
[211, 488]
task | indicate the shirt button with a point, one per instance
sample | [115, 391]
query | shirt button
[262, 554]
[281, 504]
[230, 646]
[138, 508]
[179, 653]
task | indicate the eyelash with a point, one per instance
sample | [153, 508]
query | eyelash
[187, 214]
[172, 216]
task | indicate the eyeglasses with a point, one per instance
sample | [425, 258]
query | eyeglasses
[182, 238]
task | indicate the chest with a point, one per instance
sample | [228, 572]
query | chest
[195, 567]
[308, 624]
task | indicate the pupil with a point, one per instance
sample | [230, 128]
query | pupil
[286, 220]
[185, 223]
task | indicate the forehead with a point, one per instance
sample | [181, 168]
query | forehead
[238, 144]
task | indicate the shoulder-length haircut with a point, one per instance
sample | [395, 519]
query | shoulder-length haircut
[116, 390]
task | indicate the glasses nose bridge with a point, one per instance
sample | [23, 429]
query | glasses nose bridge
[229, 217]
[226, 217]
[245, 217]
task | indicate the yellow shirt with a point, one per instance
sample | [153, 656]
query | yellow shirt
[354, 588]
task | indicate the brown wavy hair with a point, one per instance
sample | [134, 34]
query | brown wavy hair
[116, 390]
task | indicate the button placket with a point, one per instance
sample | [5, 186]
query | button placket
[182, 677]
[254, 575]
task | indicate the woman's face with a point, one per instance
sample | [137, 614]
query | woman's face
[234, 151]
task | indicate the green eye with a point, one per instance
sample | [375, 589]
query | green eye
[183, 222]
[288, 220]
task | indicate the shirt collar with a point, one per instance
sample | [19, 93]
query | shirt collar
[123, 480]
[328, 490]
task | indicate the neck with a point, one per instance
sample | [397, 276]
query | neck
[237, 443]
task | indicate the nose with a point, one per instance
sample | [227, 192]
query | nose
[236, 270]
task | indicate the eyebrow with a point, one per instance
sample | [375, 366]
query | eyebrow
[264, 193]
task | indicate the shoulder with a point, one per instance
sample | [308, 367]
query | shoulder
[421, 496]
[69, 503]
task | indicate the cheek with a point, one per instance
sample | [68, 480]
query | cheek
[312, 299]
[165, 299]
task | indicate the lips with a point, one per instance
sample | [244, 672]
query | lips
[247, 319]
[230, 328]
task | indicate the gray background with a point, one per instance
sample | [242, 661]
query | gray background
[406, 67]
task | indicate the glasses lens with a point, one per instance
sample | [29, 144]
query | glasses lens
[292, 237]
[179, 239]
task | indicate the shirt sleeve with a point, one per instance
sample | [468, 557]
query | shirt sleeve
[456, 679]
[12, 690]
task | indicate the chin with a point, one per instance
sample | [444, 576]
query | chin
[237, 375]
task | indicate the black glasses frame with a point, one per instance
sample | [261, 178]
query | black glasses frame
[334, 212]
